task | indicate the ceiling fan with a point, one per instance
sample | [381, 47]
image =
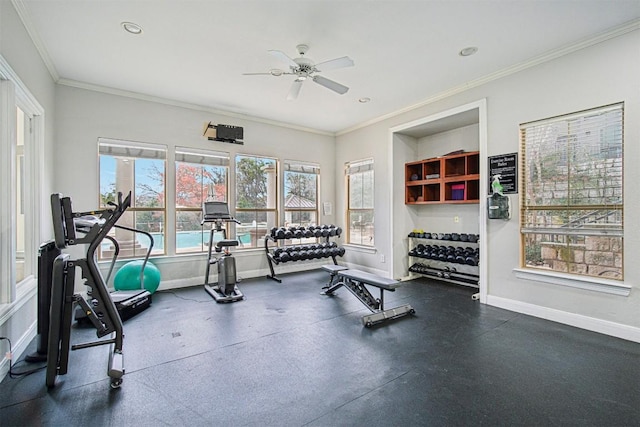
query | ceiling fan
[304, 68]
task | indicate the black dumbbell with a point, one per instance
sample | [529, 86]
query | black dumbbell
[273, 231]
[277, 252]
[338, 231]
[285, 257]
[341, 251]
[280, 233]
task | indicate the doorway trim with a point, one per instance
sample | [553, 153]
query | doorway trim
[481, 106]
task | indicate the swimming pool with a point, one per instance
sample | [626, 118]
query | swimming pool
[186, 241]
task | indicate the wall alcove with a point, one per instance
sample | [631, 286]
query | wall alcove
[462, 128]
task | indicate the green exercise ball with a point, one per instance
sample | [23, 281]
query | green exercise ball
[128, 277]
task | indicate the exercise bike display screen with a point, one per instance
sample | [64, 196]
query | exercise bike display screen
[216, 210]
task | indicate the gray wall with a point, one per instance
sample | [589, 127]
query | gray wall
[598, 75]
[18, 320]
[85, 115]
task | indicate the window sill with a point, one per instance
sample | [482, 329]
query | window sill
[606, 286]
[360, 248]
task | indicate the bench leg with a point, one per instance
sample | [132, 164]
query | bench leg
[331, 277]
[332, 288]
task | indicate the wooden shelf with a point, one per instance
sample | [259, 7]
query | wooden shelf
[449, 179]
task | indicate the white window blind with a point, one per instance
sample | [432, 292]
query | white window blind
[132, 149]
[572, 188]
[295, 166]
[202, 157]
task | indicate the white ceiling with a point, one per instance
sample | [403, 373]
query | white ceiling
[405, 52]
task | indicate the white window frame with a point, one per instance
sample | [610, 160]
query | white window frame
[273, 211]
[14, 93]
[582, 281]
[135, 150]
[194, 156]
[293, 166]
[353, 168]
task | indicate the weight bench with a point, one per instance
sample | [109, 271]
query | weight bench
[355, 281]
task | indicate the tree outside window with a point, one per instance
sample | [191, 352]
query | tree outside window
[572, 199]
[200, 176]
[300, 194]
[140, 169]
[256, 199]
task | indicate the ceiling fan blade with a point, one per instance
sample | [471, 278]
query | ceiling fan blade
[294, 90]
[278, 54]
[332, 64]
[273, 72]
[330, 84]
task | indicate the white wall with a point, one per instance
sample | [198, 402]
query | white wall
[18, 320]
[85, 115]
[597, 75]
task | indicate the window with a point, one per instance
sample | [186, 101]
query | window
[22, 133]
[256, 199]
[572, 199]
[200, 176]
[138, 168]
[300, 194]
[360, 202]
[21, 151]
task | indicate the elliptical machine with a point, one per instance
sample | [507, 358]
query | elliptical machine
[226, 289]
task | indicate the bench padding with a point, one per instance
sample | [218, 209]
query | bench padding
[370, 279]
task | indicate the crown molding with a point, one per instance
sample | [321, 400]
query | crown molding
[537, 60]
[25, 17]
[196, 107]
[614, 32]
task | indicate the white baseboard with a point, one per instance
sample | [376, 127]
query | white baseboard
[606, 327]
[246, 274]
[18, 348]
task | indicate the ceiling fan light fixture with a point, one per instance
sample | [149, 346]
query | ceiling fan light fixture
[131, 28]
[364, 100]
[468, 51]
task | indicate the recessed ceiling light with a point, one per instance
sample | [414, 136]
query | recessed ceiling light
[132, 28]
[364, 100]
[468, 51]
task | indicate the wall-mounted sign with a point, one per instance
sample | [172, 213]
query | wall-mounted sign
[505, 165]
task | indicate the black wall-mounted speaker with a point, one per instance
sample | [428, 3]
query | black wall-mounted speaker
[228, 132]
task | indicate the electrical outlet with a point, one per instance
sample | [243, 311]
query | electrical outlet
[456, 219]
[382, 258]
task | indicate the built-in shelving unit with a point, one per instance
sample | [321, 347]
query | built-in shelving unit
[447, 179]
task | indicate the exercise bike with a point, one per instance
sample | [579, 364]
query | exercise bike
[226, 289]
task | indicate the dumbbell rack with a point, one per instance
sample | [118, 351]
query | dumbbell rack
[445, 257]
[322, 248]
